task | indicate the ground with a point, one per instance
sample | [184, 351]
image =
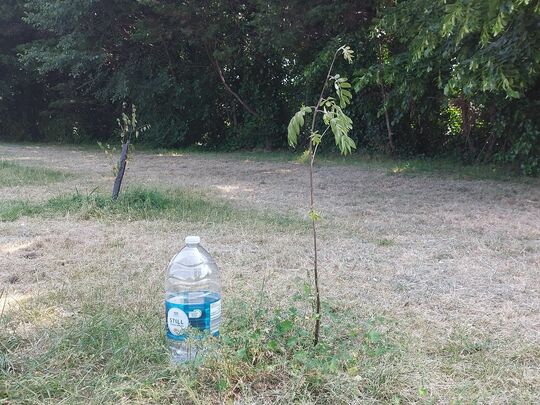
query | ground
[443, 271]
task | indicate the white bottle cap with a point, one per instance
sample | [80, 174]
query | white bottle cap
[192, 240]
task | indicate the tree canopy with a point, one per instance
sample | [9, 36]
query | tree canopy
[438, 77]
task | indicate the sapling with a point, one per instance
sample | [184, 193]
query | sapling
[129, 128]
[334, 119]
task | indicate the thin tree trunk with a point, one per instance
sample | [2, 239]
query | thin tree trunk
[488, 148]
[467, 115]
[121, 171]
[315, 257]
[388, 125]
[385, 99]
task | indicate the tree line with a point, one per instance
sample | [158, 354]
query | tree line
[431, 77]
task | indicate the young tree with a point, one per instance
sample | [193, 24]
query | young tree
[128, 128]
[335, 119]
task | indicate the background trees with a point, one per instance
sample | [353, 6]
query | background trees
[432, 77]
[463, 75]
[21, 96]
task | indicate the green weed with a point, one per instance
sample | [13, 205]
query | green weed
[385, 242]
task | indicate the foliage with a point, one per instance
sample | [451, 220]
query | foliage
[20, 94]
[167, 57]
[129, 130]
[128, 125]
[468, 56]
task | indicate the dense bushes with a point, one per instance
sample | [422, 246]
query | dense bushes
[433, 78]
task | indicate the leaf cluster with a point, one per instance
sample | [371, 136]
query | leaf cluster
[296, 123]
[333, 116]
[128, 124]
[480, 45]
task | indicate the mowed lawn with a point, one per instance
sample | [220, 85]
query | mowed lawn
[430, 282]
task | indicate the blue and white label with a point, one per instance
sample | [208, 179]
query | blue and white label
[177, 321]
[183, 312]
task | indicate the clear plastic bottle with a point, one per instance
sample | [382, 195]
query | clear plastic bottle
[192, 300]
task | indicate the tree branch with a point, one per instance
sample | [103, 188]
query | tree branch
[227, 87]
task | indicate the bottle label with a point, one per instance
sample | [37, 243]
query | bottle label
[182, 314]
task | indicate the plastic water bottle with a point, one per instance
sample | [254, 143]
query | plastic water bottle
[192, 301]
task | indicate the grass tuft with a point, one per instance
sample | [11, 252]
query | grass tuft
[13, 174]
[385, 242]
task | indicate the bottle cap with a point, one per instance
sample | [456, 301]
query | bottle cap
[193, 240]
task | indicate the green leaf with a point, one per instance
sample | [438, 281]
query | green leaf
[314, 215]
[341, 85]
[285, 326]
[304, 157]
[223, 384]
[327, 117]
[296, 123]
[341, 124]
[307, 289]
[316, 138]
[347, 53]
[272, 345]
[291, 342]
[329, 102]
[242, 353]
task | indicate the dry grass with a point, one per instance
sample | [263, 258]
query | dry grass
[437, 280]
